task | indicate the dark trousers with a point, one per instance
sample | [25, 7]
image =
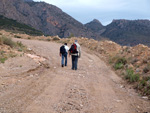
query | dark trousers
[74, 62]
[64, 56]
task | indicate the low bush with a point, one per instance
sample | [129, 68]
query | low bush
[120, 62]
[118, 66]
[29, 38]
[142, 83]
[3, 59]
[7, 41]
[20, 46]
[147, 68]
[48, 39]
[17, 36]
[56, 39]
[131, 76]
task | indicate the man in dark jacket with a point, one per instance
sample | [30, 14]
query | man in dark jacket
[63, 53]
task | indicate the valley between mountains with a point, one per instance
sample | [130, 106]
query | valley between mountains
[36, 87]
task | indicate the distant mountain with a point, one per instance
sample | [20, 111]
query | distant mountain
[53, 21]
[95, 26]
[28, 0]
[12, 25]
[128, 32]
[124, 32]
[45, 17]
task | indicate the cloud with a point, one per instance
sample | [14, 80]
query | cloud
[104, 10]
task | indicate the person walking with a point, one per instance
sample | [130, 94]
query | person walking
[63, 53]
[75, 52]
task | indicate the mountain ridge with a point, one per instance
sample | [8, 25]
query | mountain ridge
[53, 21]
[125, 32]
[45, 17]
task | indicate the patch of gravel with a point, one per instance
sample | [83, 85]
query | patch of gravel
[74, 100]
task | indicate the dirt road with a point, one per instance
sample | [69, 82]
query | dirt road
[93, 88]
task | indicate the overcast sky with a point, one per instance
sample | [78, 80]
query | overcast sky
[104, 10]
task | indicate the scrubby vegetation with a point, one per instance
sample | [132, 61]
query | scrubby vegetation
[14, 26]
[56, 38]
[131, 76]
[7, 41]
[7, 48]
[120, 63]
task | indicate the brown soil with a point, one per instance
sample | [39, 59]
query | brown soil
[93, 88]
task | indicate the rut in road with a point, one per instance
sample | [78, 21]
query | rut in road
[93, 88]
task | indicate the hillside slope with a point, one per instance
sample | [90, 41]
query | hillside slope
[129, 32]
[45, 17]
[12, 25]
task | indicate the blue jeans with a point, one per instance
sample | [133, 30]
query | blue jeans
[64, 56]
[74, 62]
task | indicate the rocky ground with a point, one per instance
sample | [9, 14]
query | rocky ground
[36, 83]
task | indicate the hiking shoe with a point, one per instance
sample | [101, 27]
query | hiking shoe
[62, 65]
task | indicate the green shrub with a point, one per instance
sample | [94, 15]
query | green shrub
[55, 39]
[12, 55]
[8, 41]
[131, 76]
[147, 68]
[113, 59]
[120, 63]
[118, 66]
[48, 39]
[17, 36]
[3, 59]
[29, 38]
[20, 46]
[142, 83]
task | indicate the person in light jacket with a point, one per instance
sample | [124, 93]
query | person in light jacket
[75, 55]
